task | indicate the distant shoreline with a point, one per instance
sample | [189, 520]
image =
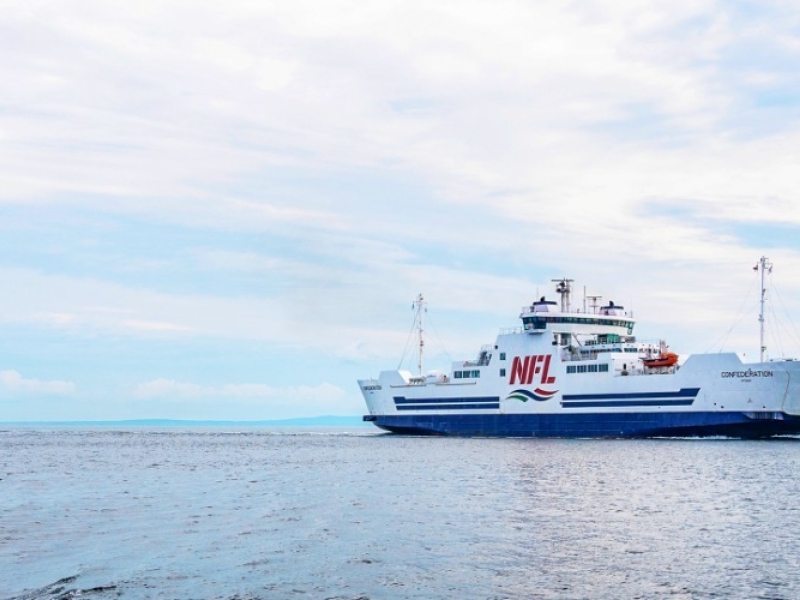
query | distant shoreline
[325, 421]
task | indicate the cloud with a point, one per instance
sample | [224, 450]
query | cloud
[13, 381]
[578, 111]
[297, 172]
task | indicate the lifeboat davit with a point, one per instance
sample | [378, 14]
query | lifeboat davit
[665, 359]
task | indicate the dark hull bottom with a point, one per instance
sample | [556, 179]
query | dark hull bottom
[608, 425]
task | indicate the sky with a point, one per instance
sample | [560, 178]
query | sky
[225, 210]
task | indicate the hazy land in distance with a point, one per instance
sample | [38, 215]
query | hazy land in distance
[323, 421]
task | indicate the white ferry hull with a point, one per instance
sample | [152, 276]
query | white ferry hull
[729, 400]
[559, 377]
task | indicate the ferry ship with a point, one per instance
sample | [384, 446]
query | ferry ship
[582, 373]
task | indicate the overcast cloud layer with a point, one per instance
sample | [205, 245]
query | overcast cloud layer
[224, 212]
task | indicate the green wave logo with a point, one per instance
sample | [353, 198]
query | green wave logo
[538, 394]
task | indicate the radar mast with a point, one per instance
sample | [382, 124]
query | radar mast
[765, 266]
[419, 305]
[564, 289]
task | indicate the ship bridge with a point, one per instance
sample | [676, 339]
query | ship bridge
[548, 315]
[576, 323]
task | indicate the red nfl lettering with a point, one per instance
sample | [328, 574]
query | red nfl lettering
[524, 368]
[546, 379]
[520, 369]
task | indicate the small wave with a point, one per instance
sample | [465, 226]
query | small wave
[63, 590]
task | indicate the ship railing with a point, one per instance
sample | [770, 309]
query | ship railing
[510, 330]
[481, 362]
[580, 357]
[484, 356]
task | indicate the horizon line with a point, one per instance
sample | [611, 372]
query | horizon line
[321, 420]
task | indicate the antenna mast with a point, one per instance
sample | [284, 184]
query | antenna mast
[563, 289]
[766, 266]
[419, 304]
[595, 302]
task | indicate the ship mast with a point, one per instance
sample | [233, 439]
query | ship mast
[765, 266]
[419, 305]
[563, 289]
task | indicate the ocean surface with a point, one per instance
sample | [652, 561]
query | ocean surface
[263, 513]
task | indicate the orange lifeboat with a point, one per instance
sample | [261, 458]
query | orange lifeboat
[665, 359]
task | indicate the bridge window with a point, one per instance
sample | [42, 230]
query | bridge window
[594, 368]
[535, 322]
[541, 322]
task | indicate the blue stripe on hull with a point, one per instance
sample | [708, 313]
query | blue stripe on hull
[629, 424]
[682, 393]
[470, 406]
[619, 403]
[467, 403]
[460, 400]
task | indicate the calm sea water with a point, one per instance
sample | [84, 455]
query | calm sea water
[166, 513]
